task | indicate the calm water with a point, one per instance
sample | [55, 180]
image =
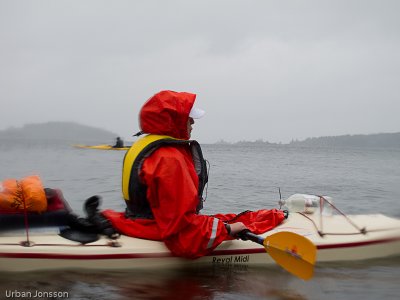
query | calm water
[241, 177]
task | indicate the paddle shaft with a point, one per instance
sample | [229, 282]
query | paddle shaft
[248, 235]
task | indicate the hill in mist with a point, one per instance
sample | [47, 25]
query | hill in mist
[59, 131]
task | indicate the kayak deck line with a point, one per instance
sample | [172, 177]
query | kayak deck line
[121, 255]
[237, 252]
[244, 251]
[216, 252]
[358, 244]
[85, 256]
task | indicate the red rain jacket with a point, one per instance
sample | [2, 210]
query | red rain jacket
[172, 188]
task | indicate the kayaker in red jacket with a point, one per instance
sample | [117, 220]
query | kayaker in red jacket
[164, 175]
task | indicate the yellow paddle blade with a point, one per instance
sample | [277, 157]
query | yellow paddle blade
[295, 253]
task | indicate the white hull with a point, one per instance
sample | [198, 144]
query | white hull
[52, 252]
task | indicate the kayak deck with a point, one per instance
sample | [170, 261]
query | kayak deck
[341, 242]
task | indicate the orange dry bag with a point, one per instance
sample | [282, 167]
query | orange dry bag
[30, 190]
[10, 195]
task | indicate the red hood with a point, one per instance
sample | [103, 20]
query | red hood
[167, 113]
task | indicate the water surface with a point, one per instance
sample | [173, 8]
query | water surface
[245, 177]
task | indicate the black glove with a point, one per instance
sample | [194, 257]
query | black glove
[95, 217]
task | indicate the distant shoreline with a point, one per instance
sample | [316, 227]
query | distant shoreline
[70, 132]
[391, 140]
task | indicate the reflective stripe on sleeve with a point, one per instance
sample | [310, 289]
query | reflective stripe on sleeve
[213, 233]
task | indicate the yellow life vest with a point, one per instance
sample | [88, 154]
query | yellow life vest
[134, 191]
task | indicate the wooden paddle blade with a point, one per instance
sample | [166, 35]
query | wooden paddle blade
[295, 253]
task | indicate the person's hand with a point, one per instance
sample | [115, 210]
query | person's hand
[236, 228]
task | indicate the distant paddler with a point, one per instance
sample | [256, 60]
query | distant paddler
[119, 143]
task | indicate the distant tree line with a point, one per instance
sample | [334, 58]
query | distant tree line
[386, 140]
[360, 140]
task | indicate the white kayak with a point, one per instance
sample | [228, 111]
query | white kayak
[337, 238]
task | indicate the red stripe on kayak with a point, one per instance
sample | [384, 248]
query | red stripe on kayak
[237, 251]
[159, 255]
[121, 256]
[357, 244]
[83, 256]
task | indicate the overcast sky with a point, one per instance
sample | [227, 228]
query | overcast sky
[272, 70]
